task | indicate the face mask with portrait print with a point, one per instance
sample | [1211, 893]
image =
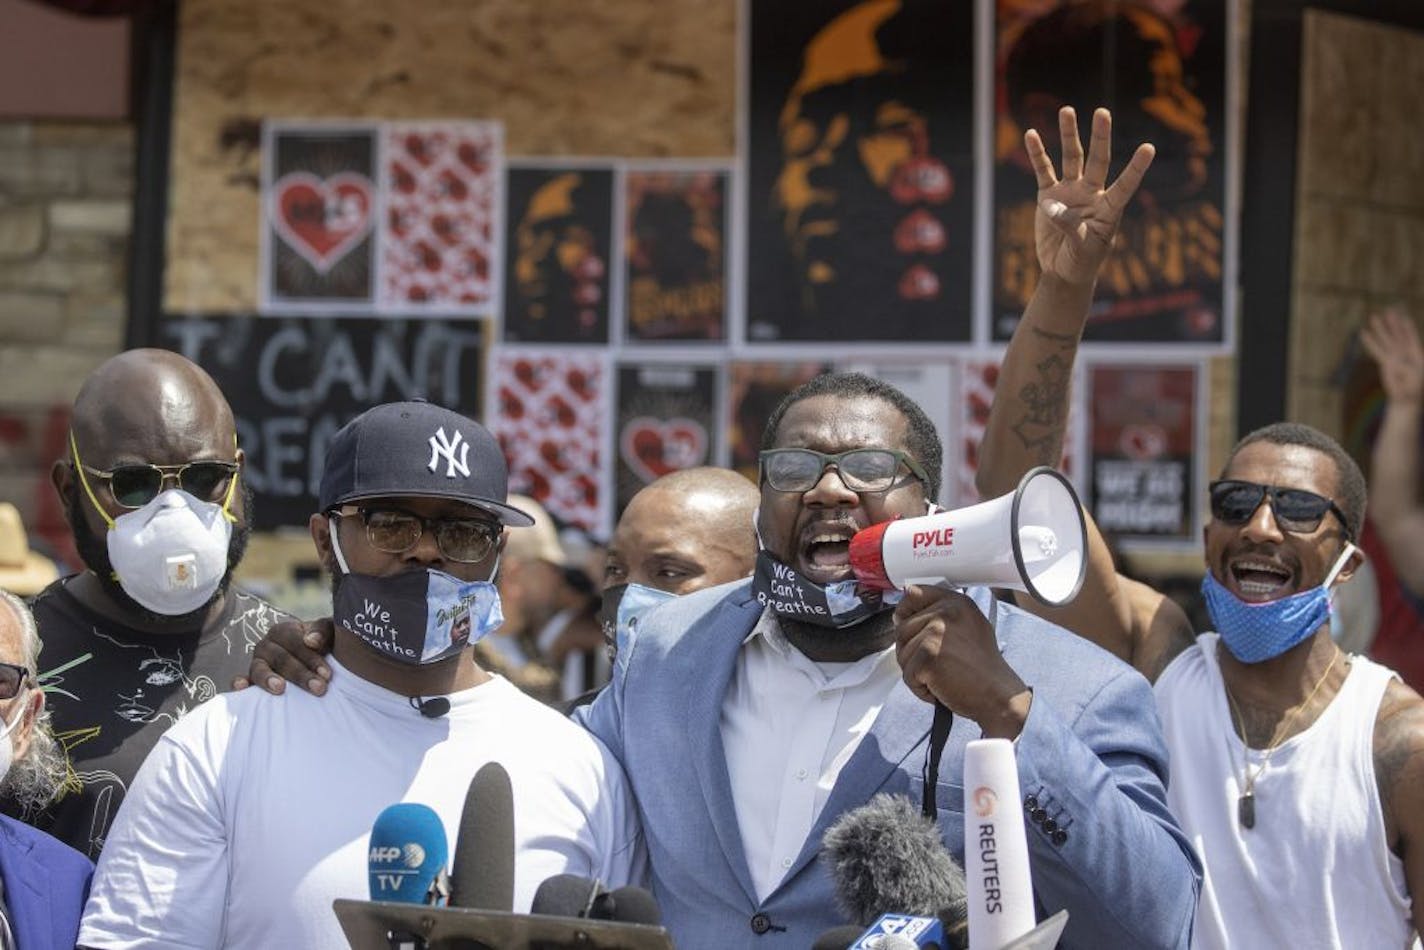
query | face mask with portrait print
[793, 596]
[416, 616]
[622, 607]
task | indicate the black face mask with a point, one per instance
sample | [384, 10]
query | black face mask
[792, 597]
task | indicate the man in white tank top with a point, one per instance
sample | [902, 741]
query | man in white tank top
[1297, 770]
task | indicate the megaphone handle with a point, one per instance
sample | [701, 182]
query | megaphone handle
[939, 735]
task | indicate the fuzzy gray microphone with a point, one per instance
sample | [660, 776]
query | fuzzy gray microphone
[886, 858]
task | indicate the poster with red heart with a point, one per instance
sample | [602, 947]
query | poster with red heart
[319, 213]
[439, 240]
[667, 421]
[551, 412]
[1145, 434]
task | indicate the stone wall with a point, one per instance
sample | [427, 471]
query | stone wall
[65, 206]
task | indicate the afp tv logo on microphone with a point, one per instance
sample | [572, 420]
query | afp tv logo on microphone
[391, 866]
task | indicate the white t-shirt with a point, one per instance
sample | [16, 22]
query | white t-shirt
[253, 812]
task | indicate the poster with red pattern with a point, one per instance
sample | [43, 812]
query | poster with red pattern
[438, 241]
[977, 381]
[551, 413]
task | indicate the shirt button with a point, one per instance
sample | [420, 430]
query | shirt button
[786, 862]
[761, 924]
[801, 774]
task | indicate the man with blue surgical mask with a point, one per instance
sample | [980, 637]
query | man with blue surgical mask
[689, 530]
[413, 509]
[152, 488]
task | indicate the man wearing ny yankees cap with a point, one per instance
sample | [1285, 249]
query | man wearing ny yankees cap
[253, 813]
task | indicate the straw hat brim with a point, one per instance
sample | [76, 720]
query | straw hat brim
[30, 577]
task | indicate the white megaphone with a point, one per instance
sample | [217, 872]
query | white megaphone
[1033, 539]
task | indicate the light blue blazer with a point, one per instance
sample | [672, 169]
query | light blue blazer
[1092, 767]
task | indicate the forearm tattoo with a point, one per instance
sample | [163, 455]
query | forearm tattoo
[1045, 401]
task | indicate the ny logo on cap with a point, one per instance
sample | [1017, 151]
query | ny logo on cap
[440, 446]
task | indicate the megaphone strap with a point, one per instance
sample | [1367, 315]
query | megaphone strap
[939, 735]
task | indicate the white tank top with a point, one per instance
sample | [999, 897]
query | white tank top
[1315, 871]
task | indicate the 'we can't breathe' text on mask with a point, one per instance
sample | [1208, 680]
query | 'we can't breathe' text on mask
[416, 616]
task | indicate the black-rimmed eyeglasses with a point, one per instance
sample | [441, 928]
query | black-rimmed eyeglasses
[861, 470]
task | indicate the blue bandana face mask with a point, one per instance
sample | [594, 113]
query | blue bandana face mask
[1255, 633]
[623, 606]
[417, 616]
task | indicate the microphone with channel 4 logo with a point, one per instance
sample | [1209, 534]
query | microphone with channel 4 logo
[891, 871]
[407, 856]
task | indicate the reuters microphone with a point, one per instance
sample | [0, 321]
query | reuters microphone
[407, 858]
[996, 866]
[1032, 539]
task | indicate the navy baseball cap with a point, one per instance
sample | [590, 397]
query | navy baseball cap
[420, 449]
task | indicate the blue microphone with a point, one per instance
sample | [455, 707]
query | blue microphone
[408, 856]
[901, 932]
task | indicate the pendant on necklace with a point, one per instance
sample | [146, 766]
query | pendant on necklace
[1246, 809]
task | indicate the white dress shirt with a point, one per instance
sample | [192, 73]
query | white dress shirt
[789, 725]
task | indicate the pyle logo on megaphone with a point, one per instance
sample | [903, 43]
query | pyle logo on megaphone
[1033, 539]
[928, 543]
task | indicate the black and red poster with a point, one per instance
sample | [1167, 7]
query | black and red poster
[675, 246]
[557, 248]
[860, 171]
[1161, 69]
[1144, 434]
[667, 421]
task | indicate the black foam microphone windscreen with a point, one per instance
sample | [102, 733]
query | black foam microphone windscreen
[482, 874]
[566, 895]
[885, 857]
[631, 905]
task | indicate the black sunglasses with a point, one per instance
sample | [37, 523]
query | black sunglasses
[134, 486]
[861, 470]
[1295, 510]
[12, 679]
[393, 531]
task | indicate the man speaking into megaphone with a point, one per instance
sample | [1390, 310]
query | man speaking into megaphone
[798, 695]
[750, 716]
